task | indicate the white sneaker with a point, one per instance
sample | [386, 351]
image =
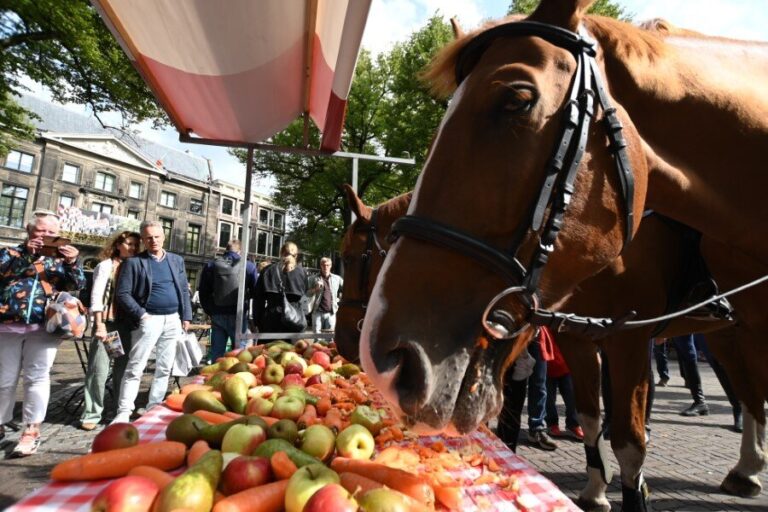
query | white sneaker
[123, 417]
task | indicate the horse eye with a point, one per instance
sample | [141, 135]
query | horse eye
[517, 98]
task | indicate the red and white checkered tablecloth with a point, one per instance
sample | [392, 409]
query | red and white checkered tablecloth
[532, 492]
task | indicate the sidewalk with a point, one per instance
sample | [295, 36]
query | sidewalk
[687, 458]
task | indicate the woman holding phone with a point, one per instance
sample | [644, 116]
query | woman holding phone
[122, 246]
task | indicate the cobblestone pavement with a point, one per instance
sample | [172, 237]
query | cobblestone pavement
[688, 456]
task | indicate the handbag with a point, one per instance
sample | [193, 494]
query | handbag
[292, 316]
[65, 314]
[188, 355]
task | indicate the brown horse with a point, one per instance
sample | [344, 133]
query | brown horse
[425, 340]
[644, 274]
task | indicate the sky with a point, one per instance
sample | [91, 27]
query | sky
[395, 20]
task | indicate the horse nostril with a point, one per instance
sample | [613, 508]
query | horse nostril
[414, 379]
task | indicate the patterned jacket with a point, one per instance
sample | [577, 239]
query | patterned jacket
[28, 280]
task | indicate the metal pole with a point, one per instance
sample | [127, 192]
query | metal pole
[245, 244]
[352, 215]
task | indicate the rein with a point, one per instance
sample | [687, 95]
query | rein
[371, 243]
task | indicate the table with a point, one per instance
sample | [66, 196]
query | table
[534, 493]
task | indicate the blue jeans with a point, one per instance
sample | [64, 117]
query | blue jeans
[662, 363]
[222, 329]
[537, 390]
[565, 385]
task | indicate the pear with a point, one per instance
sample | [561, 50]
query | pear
[214, 434]
[185, 429]
[205, 400]
[194, 489]
[234, 394]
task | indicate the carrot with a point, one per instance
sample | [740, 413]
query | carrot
[160, 477]
[358, 396]
[264, 498]
[323, 405]
[450, 497]
[282, 466]
[232, 415]
[397, 479]
[212, 418]
[334, 420]
[196, 451]
[188, 388]
[269, 420]
[175, 401]
[114, 463]
[357, 485]
[308, 417]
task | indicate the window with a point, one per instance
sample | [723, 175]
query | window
[277, 220]
[192, 242]
[168, 230]
[225, 233]
[277, 242]
[71, 173]
[168, 199]
[101, 207]
[136, 190]
[19, 161]
[13, 202]
[196, 206]
[66, 201]
[263, 217]
[192, 279]
[227, 206]
[261, 246]
[133, 214]
[105, 182]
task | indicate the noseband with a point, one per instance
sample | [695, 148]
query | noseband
[560, 176]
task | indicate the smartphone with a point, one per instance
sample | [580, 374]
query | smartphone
[51, 245]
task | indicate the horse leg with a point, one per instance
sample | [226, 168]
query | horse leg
[629, 370]
[581, 357]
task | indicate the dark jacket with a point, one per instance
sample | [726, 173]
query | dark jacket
[135, 284]
[268, 300]
[207, 280]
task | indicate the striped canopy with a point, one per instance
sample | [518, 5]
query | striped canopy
[239, 71]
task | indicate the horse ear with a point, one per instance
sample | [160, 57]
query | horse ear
[355, 204]
[563, 13]
[458, 32]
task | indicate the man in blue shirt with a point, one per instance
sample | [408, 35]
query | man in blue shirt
[152, 294]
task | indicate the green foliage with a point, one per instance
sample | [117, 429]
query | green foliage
[610, 8]
[389, 113]
[65, 46]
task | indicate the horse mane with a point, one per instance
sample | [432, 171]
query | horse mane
[667, 28]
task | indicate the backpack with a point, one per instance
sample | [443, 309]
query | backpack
[226, 281]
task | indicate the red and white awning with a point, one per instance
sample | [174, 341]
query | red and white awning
[239, 71]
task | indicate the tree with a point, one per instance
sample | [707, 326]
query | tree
[609, 8]
[66, 47]
[389, 113]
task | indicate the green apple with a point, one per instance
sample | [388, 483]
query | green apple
[288, 407]
[227, 362]
[273, 374]
[261, 392]
[318, 441]
[305, 482]
[248, 377]
[367, 417]
[312, 370]
[287, 357]
[355, 442]
[284, 429]
[243, 439]
[260, 406]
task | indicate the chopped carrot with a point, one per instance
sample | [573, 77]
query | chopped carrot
[411, 485]
[196, 451]
[358, 484]
[160, 477]
[334, 420]
[232, 415]
[175, 401]
[323, 405]
[282, 465]
[264, 498]
[450, 497]
[308, 417]
[212, 418]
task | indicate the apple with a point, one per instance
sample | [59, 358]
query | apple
[294, 367]
[126, 494]
[117, 435]
[245, 472]
[260, 392]
[384, 499]
[288, 407]
[300, 346]
[293, 379]
[318, 441]
[273, 374]
[243, 439]
[305, 482]
[260, 406]
[320, 378]
[331, 497]
[284, 429]
[245, 356]
[321, 358]
[225, 363]
[313, 369]
[367, 417]
[355, 442]
[233, 353]
[248, 377]
[260, 361]
[228, 457]
[287, 357]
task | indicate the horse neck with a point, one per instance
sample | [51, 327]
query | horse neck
[702, 106]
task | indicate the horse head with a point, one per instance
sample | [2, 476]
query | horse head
[522, 197]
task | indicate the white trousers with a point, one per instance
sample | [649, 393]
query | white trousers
[323, 320]
[161, 332]
[33, 352]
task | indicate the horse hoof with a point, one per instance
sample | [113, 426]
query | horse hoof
[741, 486]
[592, 505]
[636, 500]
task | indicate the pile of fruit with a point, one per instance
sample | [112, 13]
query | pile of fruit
[272, 427]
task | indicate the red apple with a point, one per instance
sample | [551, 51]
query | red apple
[294, 367]
[321, 358]
[320, 378]
[245, 472]
[117, 435]
[243, 439]
[300, 346]
[126, 494]
[260, 361]
[259, 405]
[293, 379]
[331, 497]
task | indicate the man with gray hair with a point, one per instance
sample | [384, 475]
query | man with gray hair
[326, 292]
[152, 294]
[29, 275]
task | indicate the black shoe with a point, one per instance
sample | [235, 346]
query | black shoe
[738, 423]
[697, 409]
[662, 382]
[541, 439]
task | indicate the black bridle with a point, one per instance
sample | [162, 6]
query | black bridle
[552, 202]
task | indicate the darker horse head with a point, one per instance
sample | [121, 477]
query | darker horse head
[363, 248]
[489, 213]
